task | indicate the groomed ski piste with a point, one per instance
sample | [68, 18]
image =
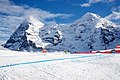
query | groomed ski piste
[16, 65]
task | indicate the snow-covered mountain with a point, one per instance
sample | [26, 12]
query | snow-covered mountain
[26, 37]
[90, 32]
[93, 33]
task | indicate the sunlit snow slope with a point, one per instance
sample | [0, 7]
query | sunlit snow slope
[58, 66]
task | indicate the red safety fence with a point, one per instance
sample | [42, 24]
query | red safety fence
[44, 51]
[102, 52]
[85, 52]
[106, 52]
[118, 46]
[117, 51]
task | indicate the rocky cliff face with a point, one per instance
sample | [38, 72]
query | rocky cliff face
[26, 37]
[90, 32]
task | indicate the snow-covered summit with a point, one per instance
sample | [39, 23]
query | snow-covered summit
[94, 21]
[91, 16]
[34, 21]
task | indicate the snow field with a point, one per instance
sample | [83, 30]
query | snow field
[96, 67]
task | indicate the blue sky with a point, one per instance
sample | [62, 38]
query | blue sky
[14, 12]
[76, 8]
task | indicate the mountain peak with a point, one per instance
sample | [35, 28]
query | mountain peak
[88, 14]
[34, 21]
[89, 19]
[26, 37]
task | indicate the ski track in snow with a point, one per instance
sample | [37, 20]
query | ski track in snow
[59, 66]
[10, 65]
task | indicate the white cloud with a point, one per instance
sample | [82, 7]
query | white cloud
[110, 0]
[8, 25]
[90, 2]
[42, 15]
[116, 8]
[12, 15]
[85, 5]
[9, 8]
[95, 1]
[113, 16]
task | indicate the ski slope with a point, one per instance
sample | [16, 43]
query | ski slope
[58, 66]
